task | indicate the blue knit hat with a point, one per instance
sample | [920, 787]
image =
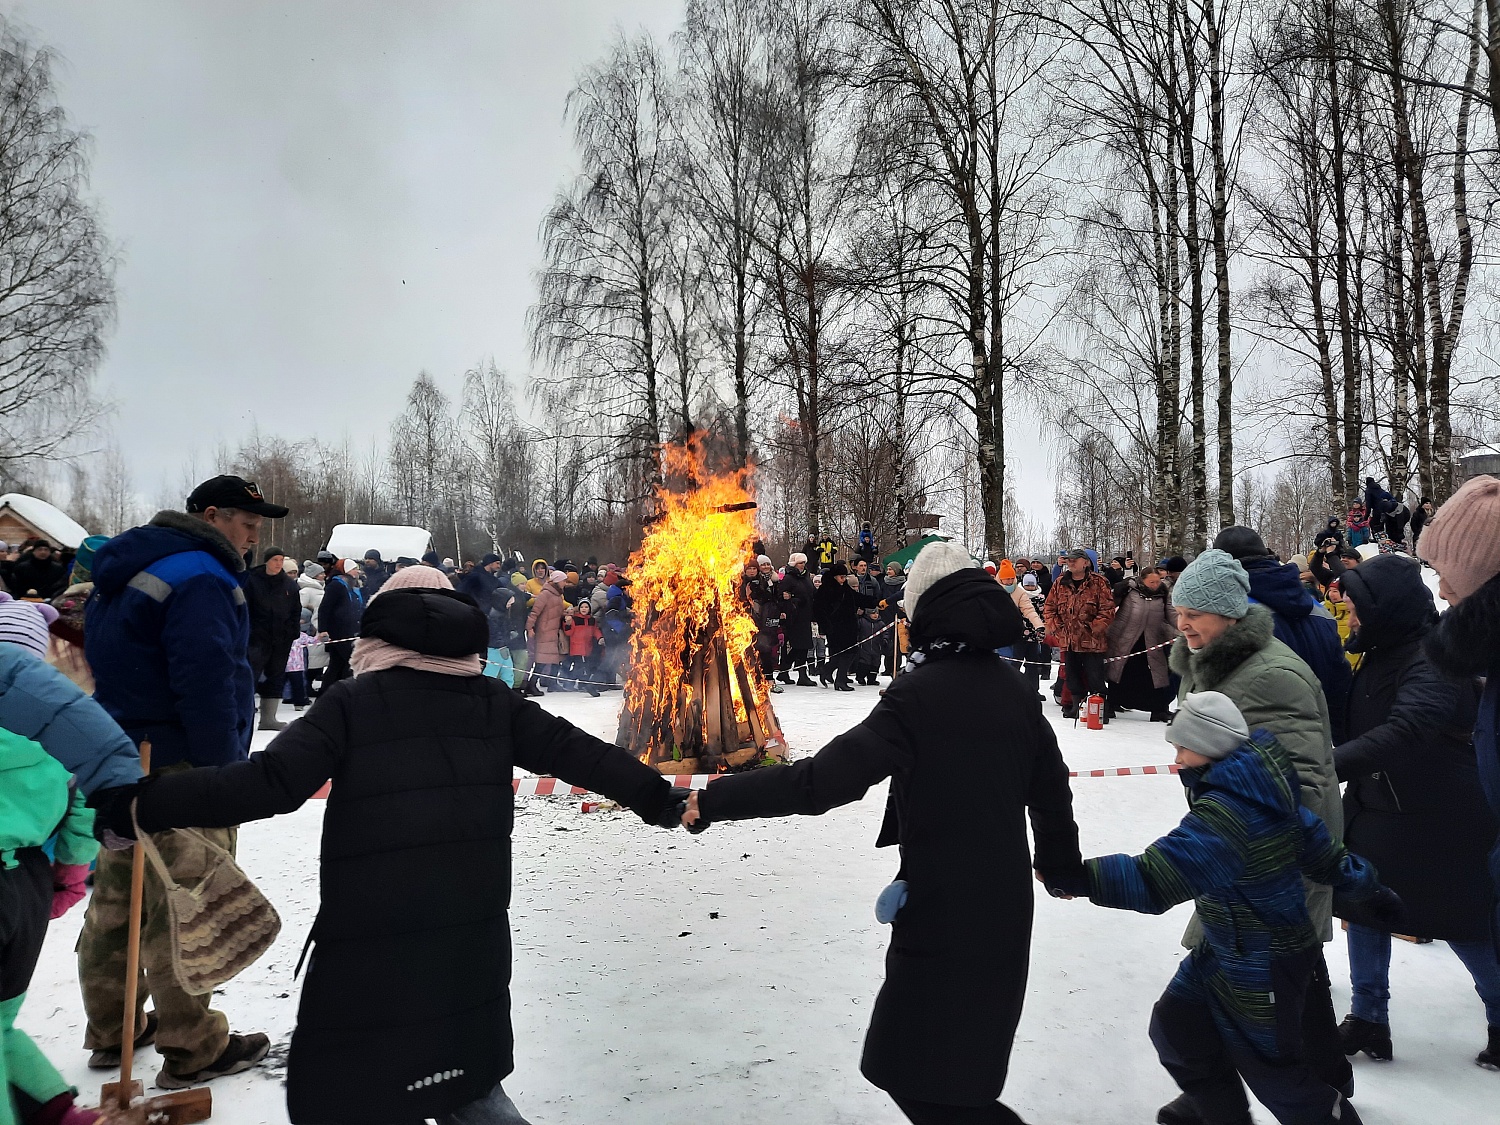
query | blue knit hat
[1214, 582]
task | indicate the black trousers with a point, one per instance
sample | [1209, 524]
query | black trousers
[1208, 1063]
[930, 1113]
[338, 665]
[1321, 1044]
[1085, 675]
[25, 900]
[791, 657]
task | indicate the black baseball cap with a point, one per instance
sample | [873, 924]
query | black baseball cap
[233, 492]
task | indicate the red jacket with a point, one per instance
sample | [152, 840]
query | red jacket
[1078, 614]
[583, 635]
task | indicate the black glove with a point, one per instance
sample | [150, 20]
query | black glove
[1382, 910]
[672, 813]
[112, 811]
[1067, 881]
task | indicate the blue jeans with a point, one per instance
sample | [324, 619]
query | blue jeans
[492, 1109]
[1370, 973]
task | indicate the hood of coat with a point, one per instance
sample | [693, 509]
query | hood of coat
[1215, 661]
[431, 622]
[1135, 586]
[1259, 772]
[1466, 640]
[1394, 605]
[306, 583]
[967, 607]
[168, 533]
[1278, 587]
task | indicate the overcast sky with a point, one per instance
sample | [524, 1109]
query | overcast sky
[315, 201]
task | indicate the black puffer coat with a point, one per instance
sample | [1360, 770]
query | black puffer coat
[410, 976]
[956, 968]
[275, 605]
[796, 591]
[1413, 806]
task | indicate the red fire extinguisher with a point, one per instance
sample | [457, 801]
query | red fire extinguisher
[1096, 712]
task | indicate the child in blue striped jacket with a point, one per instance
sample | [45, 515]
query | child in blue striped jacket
[1234, 1009]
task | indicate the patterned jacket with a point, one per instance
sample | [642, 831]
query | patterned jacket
[1239, 854]
[1078, 613]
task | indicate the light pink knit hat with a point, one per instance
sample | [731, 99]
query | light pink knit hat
[416, 578]
[1462, 541]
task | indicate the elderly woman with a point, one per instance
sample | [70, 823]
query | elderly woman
[1136, 664]
[1228, 645]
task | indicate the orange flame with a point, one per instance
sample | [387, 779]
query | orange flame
[685, 582]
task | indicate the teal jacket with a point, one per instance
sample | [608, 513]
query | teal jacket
[37, 802]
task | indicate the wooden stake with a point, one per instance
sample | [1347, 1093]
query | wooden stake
[133, 950]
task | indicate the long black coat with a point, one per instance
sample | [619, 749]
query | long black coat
[410, 974]
[796, 591]
[836, 610]
[957, 963]
[1413, 806]
[275, 605]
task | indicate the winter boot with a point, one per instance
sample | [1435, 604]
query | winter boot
[241, 1053]
[1161, 716]
[1374, 1039]
[1180, 1111]
[108, 1058]
[803, 680]
[268, 719]
[1489, 1058]
[785, 678]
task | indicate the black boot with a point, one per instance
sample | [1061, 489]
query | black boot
[1374, 1039]
[785, 678]
[1489, 1058]
[803, 680]
[1181, 1111]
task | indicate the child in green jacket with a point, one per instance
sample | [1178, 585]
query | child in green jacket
[38, 803]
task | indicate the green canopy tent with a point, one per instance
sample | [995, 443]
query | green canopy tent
[904, 557]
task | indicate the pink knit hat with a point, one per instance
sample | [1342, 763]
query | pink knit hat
[24, 624]
[1462, 541]
[416, 578]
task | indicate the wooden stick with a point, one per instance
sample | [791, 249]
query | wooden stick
[133, 951]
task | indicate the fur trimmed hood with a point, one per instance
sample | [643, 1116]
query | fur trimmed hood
[1466, 640]
[1215, 661]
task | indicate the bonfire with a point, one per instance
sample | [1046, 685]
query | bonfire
[696, 700]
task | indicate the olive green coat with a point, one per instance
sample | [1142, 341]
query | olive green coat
[1273, 688]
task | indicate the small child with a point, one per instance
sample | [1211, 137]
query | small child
[1358, 524]
[38, 803]
[296, 669]
[585, 639]
[1234, 1009]
[867, 655]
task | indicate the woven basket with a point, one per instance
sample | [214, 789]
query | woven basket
[220, 925]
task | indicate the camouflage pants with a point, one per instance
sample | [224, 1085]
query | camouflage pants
[190, 1034]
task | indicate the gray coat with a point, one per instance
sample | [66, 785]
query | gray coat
[1142, 612]
[1274, 688]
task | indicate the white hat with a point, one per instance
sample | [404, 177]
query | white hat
[935, 562]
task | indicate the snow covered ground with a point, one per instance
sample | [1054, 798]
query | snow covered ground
[728, 977]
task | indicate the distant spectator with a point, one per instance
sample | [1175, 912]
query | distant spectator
[1078, 613]
[275, 621]
[38, 573]
[376, 572]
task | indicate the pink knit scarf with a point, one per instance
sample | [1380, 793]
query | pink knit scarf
[374, 655]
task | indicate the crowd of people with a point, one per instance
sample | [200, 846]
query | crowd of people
[1337, 739]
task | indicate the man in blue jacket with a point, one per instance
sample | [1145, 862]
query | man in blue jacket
[1302, 623]
[166, 633]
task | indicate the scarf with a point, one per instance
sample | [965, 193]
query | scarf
[374, 655]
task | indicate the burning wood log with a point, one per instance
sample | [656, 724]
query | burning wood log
[696, 700]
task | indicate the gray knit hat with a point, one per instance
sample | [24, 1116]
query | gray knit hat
[935, 562]
[1208, 723]
[1214, 582]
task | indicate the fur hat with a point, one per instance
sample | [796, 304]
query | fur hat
[936, 561]
[24, 624]
[1462, 541]
[1208, 723]
[1214, 582]
[762, 560]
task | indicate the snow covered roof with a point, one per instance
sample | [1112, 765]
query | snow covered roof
[352, 540]
[1482, 451]
[48, 520]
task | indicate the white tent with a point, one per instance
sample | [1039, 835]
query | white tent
[352, 540]
[46, 520]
